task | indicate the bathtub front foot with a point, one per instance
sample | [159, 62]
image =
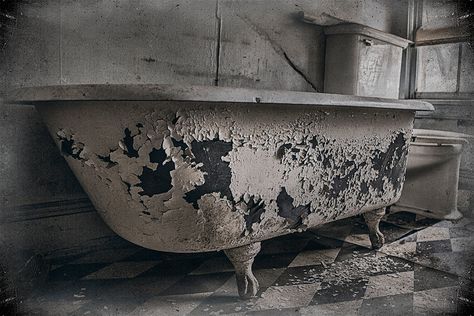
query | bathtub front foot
[242, 259]
[372, 219]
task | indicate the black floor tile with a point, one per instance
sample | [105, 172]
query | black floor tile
[110, 306]
[66, 259]
[401, 218]
[274, 312]
[428, 278]
[466, 295]
[220, 303]
[106, 289]
[191, 255]
[333, 293]
[153, 255]
[321, 243]
[457, 263]
[382, 264]
[274, 260]
[145, 255]
[430, 247]
[410, 238]
[172, 267]
[461, 231]
[426, 222]
[359, 227]
[74, 271]
[299, 275]
[392, 232]
[348, 251]
[198, 283]
[401, 304]
[83, 290]
[279, 246]
[394, 265]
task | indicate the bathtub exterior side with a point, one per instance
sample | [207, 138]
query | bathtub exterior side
[197, 176]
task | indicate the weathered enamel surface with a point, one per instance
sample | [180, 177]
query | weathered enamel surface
[190, 169]
[182, 174]
[188, 175]
[205, 177]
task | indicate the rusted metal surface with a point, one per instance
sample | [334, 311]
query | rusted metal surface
[188, 175]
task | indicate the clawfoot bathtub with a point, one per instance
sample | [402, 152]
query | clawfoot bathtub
[189, 169]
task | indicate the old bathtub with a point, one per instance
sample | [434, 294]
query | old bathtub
[189, 169]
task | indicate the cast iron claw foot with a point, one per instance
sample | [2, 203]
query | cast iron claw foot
[242, 259]
[372, 219]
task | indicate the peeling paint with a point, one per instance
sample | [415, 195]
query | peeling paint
[294, 215]
[68, 146]
[253, 210]
[206, 177]
[217, 172]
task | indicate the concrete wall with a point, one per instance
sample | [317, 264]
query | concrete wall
[247, 43]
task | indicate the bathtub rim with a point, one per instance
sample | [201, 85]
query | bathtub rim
[205, 94]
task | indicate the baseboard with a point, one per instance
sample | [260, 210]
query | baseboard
[96, 244]
[57, 229]
[45, 210]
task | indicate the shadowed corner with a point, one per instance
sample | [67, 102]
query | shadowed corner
[466, 19]
[8, 298]
[465, 298]
[21, 272]
[7, 19]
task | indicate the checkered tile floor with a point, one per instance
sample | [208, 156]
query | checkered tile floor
[424, 269]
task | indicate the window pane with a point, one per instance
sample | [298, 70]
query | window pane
[466, 83]
[437, 68]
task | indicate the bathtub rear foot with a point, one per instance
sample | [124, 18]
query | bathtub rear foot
[242, 259]
[372, 219]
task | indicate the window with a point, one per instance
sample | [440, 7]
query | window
[442, 58]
